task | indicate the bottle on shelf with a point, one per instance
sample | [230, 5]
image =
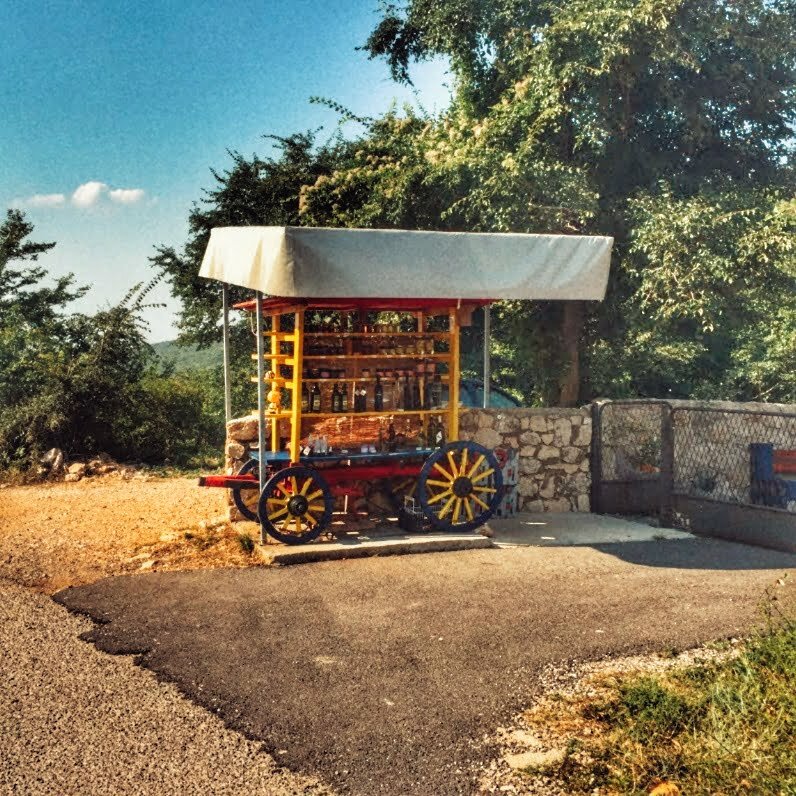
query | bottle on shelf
[305, 398]
[343, 398]
[315, 398]
[396, 391]
[416, 403]
[406, 400]
[435, 392]
[378, 395]
[336, 400]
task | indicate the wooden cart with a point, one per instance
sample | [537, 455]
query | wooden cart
[456, 484]
[435, 279]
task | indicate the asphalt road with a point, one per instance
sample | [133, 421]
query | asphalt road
[388, 675]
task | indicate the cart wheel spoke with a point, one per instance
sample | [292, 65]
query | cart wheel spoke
[306, 486]
[482, 476]
[463, 468]
[468, 508]
[452, 462]
[447, 507]
[457, 510]
[314, 495]
[480, 502]
[284, 491]
[311, 521]
[475, 467]
[276, 515]
[439, 497]
[446, 484]
[447, 475]
[486, 489]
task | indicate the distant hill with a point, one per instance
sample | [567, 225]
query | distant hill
[189, 357]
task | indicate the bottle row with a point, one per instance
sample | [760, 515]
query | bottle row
[432, 437]
[419, 369]
[402, 394]
[370, 346]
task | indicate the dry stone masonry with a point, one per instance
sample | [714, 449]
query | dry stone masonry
[553, 445]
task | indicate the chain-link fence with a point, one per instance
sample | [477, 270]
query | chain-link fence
[630, 440]
[735, 456]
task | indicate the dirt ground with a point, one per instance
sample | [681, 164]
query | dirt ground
[57, 535]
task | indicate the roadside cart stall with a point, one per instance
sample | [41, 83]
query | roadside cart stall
[358, 335]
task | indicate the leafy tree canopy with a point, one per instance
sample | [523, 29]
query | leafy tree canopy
[664, 123]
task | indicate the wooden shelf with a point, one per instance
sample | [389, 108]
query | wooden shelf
[446, 355]
[353, 415]
[370, 379]
[285, 359]
[382, 413]
[415, 335]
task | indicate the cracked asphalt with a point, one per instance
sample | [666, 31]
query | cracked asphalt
[390, 675]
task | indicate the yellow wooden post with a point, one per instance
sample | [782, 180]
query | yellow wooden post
[275, 329]
[453, 377]
[298, 362]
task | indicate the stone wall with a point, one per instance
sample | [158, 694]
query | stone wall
[553, 445]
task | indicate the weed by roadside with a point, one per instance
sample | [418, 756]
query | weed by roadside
[725, 725]
[246, 543]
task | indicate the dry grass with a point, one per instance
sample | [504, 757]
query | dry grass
[724, 725]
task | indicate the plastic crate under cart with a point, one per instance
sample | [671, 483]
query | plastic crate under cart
[508, 459]
[411, 517]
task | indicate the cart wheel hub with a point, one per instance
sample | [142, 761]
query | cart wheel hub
[462, 486]
[297, 505]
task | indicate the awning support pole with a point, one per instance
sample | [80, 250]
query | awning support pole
[261, 398]
[487, 354]
[225, 325]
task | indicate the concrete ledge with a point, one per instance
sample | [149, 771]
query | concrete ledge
[756, 525]
[399, 544]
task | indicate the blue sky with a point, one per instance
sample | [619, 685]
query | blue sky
[113, 114]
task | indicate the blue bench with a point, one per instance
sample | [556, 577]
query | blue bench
[773, 475]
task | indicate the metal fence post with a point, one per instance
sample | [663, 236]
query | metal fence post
[225, 324]
[261, 399]
[667, 465]
[596, 458]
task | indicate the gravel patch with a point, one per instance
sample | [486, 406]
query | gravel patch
[75, 720]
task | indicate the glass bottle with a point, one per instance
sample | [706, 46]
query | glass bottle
[435, 391]
[416, 394]
[343, 398]
[378, 396]
[305, 398]
[315, 398]
[406, 402]
[336, 406]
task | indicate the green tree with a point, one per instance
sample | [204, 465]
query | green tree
[21, 291]
[87, 383]
[631, 118]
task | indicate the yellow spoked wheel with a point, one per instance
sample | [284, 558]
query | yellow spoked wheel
[246, 498]
[295, 505]
[460, 486]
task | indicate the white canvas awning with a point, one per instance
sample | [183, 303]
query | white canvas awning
[312, 262]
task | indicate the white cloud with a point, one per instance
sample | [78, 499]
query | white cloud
[41, 200]
[88, 193]
[126, 196]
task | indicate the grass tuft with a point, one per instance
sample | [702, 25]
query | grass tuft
[246, 543]
[724, 727]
